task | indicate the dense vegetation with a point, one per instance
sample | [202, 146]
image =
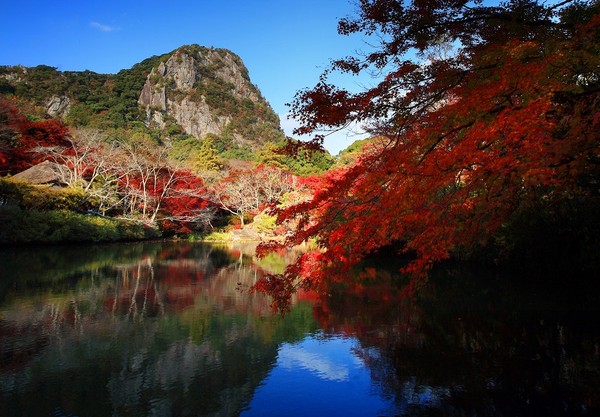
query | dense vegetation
[99, 100]
[83, 184]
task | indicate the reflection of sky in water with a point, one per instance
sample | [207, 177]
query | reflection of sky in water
[319, 376]
[325, 359]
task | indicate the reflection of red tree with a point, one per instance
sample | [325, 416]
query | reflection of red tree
[20, 345]
[179, 279]
[151, 289]
[373, 307]
[473, 343]
[181, 286]
[176, 280]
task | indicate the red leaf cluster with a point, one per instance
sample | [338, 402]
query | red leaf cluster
[20, 136]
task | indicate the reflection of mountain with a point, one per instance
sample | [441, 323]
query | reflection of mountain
[166, 333]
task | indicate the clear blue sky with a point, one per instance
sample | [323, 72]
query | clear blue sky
[284, 44]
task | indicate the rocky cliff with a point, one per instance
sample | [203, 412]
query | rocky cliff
[204, 90]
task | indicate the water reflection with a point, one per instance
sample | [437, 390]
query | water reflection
[323, 360]
[319, 376]
[472, 344]
[155, 329]
[164, 329]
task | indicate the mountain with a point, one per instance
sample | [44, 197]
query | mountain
[208, 91]
[191, 92]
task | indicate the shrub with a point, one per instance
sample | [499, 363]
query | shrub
[218, 237]
[265, 223]
[50, 226]
[40, 197]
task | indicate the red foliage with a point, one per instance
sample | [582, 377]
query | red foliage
[19, 137]
[506, 124]
[186, 196]
[158, 192]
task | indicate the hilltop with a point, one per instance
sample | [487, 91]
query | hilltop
[193, 90]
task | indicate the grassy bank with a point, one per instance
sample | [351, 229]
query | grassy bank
[53, 226]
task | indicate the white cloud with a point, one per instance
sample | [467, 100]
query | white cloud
[102, 27]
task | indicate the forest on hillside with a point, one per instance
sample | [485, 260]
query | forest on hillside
[83, 142]
[64, 183]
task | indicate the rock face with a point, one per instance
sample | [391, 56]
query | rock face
[202, 89]
[58, 106]
[45, 173]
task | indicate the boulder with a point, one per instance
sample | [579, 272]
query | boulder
[45, 173]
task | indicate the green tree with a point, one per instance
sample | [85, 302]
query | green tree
[302, 162]
[206, 157]
[270, 155]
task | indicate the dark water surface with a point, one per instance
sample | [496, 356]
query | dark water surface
[167, 329]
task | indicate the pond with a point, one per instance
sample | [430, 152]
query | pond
[170, 329]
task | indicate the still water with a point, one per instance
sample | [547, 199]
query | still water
[169, 329]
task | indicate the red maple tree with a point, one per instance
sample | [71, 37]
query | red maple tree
[497, 113]
[19, 138]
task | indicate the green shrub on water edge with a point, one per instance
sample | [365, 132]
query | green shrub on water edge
[34, 226]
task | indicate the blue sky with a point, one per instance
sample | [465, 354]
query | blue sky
[285, 44]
